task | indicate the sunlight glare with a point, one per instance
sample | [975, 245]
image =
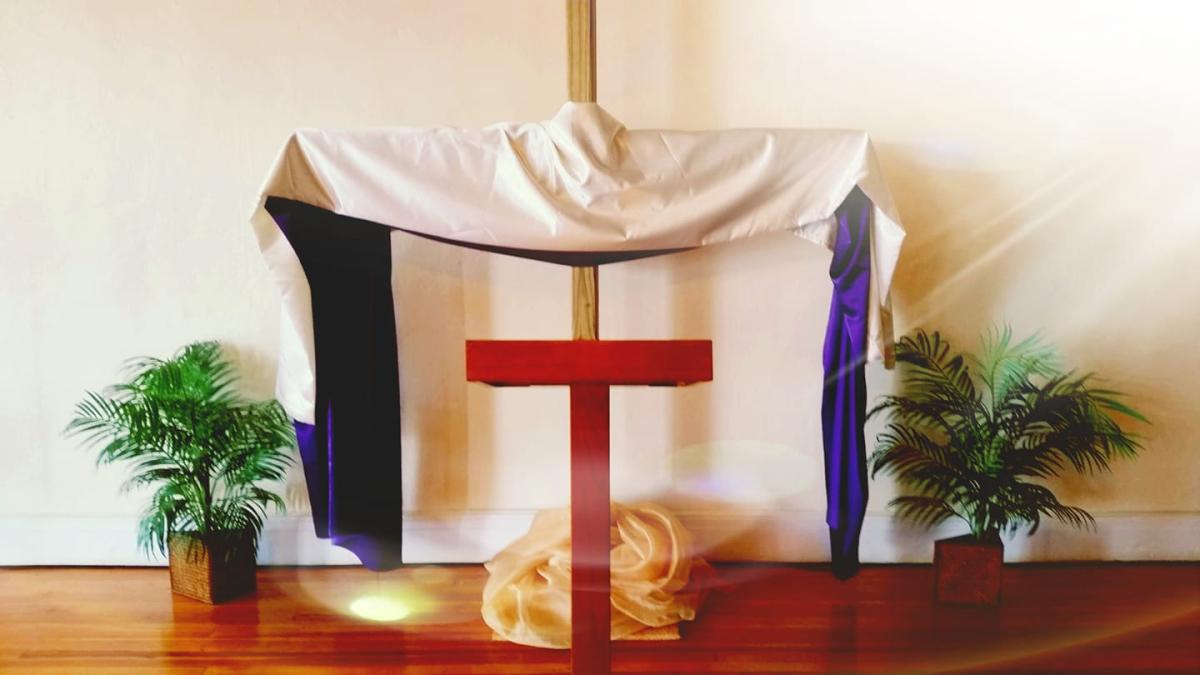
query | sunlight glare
[382, 608]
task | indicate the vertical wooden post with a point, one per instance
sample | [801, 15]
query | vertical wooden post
[590, 568]
[585, 305]
[591, 604]
[581, 86]
[581, 50]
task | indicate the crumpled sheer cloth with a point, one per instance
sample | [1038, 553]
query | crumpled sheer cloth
[656, 580]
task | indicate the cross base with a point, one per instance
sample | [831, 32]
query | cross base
[589, 368]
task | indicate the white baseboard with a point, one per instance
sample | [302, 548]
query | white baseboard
[744, 535]
[463, 536]
[801, 536]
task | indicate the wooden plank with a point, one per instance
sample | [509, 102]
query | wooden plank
[565, 362]
[581, 87]
[585, 303]
[581, 50]
[590, 544]
[1110, 617]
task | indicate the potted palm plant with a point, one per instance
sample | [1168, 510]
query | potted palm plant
[206, 451]
[977, 437]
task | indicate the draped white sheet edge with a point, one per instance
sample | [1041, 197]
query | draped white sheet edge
[578, 182]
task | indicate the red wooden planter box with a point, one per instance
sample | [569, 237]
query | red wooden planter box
[967, 570]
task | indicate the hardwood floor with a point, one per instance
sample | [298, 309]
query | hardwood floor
[764, 618]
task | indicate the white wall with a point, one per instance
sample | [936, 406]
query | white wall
[1039, 153]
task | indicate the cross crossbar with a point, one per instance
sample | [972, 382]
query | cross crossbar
[567, 362]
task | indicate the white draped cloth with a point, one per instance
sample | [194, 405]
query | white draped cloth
[656, 579]
[580, 182]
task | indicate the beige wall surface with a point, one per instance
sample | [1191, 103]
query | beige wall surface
[1042, 156]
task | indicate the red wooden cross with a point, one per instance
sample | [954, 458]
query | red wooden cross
[589, 368]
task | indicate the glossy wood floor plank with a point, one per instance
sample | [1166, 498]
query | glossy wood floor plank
[763, 618]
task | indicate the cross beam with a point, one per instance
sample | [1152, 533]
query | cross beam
[589, 368]
[508, 363]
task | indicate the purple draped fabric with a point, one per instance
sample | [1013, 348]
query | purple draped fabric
[844, 400]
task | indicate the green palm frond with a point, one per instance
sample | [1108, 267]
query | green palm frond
[1004, 367]
[182, 427]
[935, 367]
[971, 436]
[924, 511]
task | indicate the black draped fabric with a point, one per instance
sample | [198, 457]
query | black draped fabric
[351, 455]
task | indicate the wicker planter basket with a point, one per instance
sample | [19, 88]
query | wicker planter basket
[968, 570]
[212, 571]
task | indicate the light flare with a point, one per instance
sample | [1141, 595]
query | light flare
[383, 608]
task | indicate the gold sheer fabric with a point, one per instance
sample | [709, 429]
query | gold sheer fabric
[527, 598]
